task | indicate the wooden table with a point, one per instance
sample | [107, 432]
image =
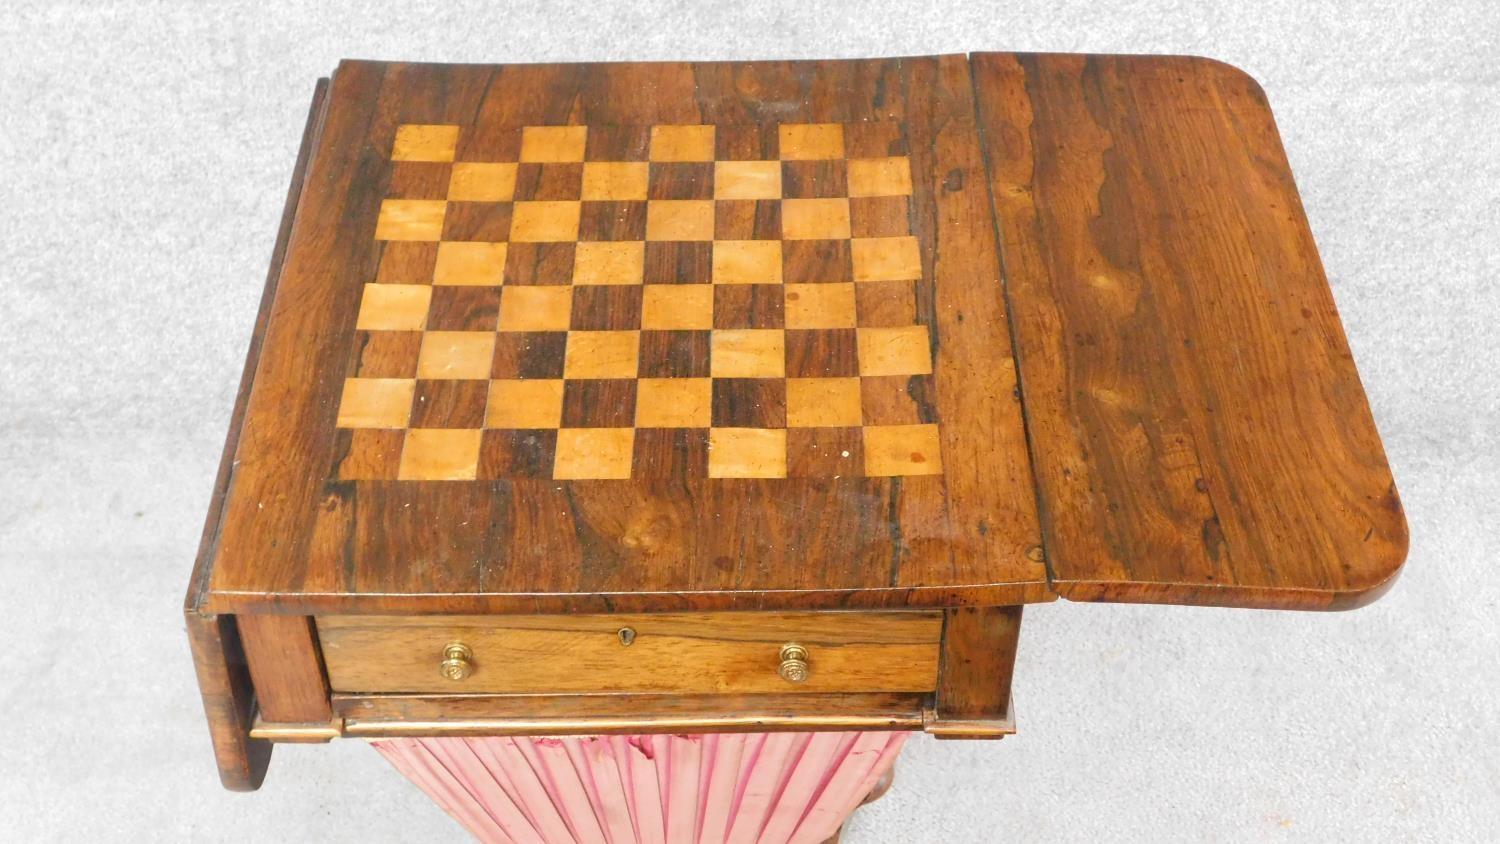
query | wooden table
[714, 397]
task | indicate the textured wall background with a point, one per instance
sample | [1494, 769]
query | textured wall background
[144, 153]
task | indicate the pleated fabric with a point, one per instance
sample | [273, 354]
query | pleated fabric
[742, 788]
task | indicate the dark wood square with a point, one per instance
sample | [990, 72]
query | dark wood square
[599, 403]
[675, 354]
[810, 261]
[481, 221]
[387, 354]
[539, 263]
[463, 308]
[548, 181]
[368, 454]
[489, 142]
[449, 404]
[747, 142]
[407, 262]
[517, 453]
[822, 353]
[612, 220]
[824, 453]
[879, 216]
[898, 399]
[810, 179]
[749, 306]
[670, 453]
[529, 354]
[419, 180]
[679, 262]
[885, 304]
[747, 219]
[681, 180]
[609, 307]
[749, 403]
[618, 143]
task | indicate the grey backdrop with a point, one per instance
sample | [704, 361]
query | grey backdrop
[144, 153]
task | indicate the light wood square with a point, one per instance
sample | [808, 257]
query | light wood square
[815, 219]
[895, 351]
[553, 143]
[808, 141]
[593, 453]
[533, 222]
[682, 143]
[411, 219]
[536, 308]
[461, 262]
[822, 402]
[615, 180]
[394, 307]
[602, 354]
[535, 403]
[680, 219]
[456, 354]
[892, 450]
[886, 258]
[482, 182]
[376, 402]
[609, 262]
[747, 262]
[424, 142]
[748, 353]
[820, 305]
[880, 176]
[674, 403]
[677, 306]
[440, 454]
[747, 453]
[747, 180]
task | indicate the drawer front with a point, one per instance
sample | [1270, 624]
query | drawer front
[688, 653]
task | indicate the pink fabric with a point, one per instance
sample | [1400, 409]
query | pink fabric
[755, 788]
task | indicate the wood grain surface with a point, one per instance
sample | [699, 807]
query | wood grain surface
[1199, 432]
[287, 667]
[296, 537]
[683, 653]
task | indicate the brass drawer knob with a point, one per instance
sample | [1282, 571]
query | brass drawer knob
[794, 667]
[458, 661]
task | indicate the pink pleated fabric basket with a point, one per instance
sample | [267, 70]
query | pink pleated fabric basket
[649, 789]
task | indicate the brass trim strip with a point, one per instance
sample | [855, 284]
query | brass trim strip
[313, 733]
[925, 720]
[357, 728]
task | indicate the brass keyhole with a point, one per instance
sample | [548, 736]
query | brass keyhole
[627, 635]
[458, 661]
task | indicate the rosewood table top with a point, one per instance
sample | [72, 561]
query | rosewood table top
[621, 347]
[910, 332]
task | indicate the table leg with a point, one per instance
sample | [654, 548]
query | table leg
[769, 787]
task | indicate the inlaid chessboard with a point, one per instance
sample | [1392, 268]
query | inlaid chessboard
[610, 302]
